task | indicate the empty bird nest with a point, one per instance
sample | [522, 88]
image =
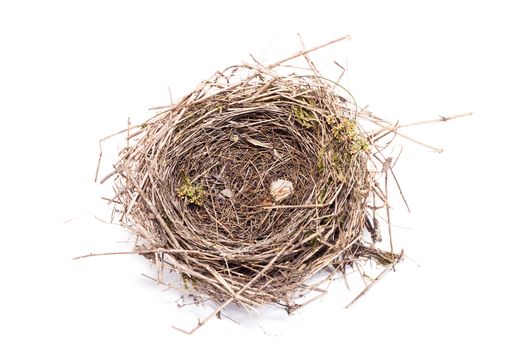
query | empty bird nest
[259, 179]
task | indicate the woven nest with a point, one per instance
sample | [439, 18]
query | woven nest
[252, 184]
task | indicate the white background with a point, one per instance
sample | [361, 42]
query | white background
[73, 72]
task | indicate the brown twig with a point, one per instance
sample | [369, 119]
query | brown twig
[373, 283]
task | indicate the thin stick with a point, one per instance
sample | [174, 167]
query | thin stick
[90, 255]
[304, 52]
[387, 207]
[436, 149]
[388, 129]
[441, 119]
[108, 176]
[171, 97]
[127, 138]
[99, 159]
[399, 189]
[75, 218]
[343, 71]
[364, 291]
[396, 127]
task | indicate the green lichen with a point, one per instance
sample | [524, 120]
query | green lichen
[192, 193]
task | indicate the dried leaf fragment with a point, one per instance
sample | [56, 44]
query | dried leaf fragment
[227, 193]
[258, 143]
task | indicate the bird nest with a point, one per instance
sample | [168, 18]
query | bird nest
[253, 183]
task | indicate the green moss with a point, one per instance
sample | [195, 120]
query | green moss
[320, 159]
[345, 131]
[187, 280]
[330, 120]
[313, 242]
[311, 102]
[339, 161]
[193, 193]
[305, 118]
[320, 166]
[359, 144]
[322, 194]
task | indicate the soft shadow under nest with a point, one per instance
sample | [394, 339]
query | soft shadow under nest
[253, 183]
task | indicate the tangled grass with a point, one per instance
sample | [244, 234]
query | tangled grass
[256, 181]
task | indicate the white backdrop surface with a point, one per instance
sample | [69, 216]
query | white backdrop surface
[73, 72]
